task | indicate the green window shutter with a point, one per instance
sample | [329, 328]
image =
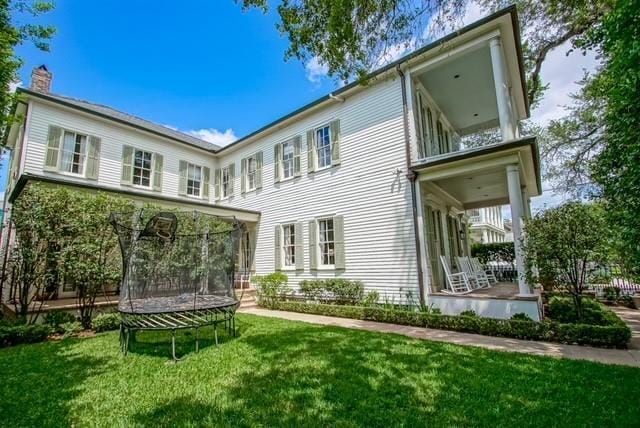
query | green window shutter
[232, 178]
[158, 165]
[206, 173]
[338, 236]
[93, 158]
[297, 147]
[277, 162]
[313, 245]
[299, 248]
[335, 142]
[259, 170]
[311, 151]
[127, 165]
[217, 174]
[183, 168]
[52, 157]
[278, 247]
[243, 175]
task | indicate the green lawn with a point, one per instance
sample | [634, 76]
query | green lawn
[282, 373]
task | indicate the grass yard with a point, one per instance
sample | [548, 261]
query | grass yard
[283, 373]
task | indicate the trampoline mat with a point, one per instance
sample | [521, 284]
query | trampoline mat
[181, 303]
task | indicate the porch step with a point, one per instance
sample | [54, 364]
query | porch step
[248, 299]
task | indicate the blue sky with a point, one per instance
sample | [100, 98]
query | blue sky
[194, 66]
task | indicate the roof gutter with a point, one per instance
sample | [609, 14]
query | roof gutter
[411, 177]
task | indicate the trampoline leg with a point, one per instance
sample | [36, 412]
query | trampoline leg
[233, 321]
[126, 341]
[173, 345]
[215, 333]
[197, 341]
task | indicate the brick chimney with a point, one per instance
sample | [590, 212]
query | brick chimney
[41, 79]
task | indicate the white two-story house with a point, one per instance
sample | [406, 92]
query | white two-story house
[486, 225]
[368, 183]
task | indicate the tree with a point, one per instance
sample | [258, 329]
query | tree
[13, 34]
[563, 243]
[617, 168]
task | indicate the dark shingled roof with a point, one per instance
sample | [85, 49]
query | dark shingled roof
[121, 117]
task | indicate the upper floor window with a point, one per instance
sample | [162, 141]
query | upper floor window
[194, 180]
[287, 159]
[323, 147]
[226, 182]
[73, 153]
[142, 168]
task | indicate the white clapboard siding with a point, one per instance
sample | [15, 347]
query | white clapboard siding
[375, 202]
[113, 137]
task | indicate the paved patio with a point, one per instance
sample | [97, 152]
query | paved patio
[628, 357]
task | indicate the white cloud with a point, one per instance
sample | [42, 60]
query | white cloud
[315, 70]
[472, 13]
[14, 85]
[214, 136]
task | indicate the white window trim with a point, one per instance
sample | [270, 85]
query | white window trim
[248, 189]
[280, 162]
[224, 197]
[201, 180]
[281, 246]
[82, 174]
[317, 159]
[320, 265]
[133, 169]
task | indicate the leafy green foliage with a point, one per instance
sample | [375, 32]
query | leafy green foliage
[12, 35]
[468, 313]
[521, 316]
[105, 322]
[71, 328]
[564, 242]
[610, 336]
[63, 236]
[55, 319]
[336, 290]
[493, 252]
[280, 373]
[272, 286]
[15, 334]
[617, 168]
[563, 310]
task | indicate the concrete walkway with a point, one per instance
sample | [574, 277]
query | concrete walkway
[628, 357]
[632, 318]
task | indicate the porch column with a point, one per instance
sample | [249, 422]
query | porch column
[517, 213]
[526, 204]
[508, 125]
[424, 253]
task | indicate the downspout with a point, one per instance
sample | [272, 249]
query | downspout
[411, 176]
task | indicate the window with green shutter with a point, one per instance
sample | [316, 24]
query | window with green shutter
[72, 153]
[326, 243]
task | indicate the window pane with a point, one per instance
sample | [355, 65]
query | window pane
[323, 147]
[142, 168]
[289, 244]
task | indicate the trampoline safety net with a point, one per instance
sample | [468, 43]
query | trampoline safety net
[176, 261]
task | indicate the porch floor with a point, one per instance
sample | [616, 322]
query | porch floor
[501, 290]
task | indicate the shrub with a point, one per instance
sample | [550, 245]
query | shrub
[468, 313]
[272, 286]
[312, 289]
[106, 322]
[563, 310]
[494, 252]
[14, 334]
[71, 328]
[335, 290]
[370, 299]
[604, 336]
[56, 318]
[521, 316]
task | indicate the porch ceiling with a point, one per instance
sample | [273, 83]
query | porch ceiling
[477, 178]
[463, 88]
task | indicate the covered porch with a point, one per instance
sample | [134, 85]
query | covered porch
[450, 184]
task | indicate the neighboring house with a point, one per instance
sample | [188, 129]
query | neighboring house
[508, 231]
[367, 183]
[487, 225]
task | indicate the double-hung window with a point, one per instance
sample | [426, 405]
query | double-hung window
[194, 180]
[142, 168]
[326, 241]
[252, 168]
[287, 159]
[226, 182]
[289, 244]
[323, 146]
[73, 153]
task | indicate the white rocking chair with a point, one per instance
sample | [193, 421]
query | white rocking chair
[488, 272]
[477, 277]
[458, 283]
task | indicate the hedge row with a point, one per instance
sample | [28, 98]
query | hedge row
[23, 333]
[615, 336]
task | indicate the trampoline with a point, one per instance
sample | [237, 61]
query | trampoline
[178, 272]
